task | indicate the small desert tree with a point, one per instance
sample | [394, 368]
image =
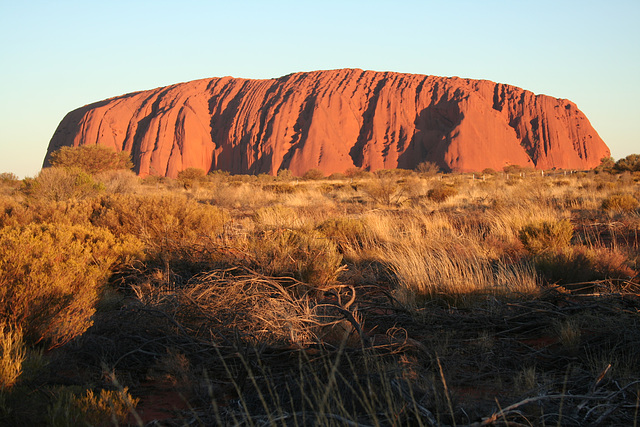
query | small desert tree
[606, 165]
[630, 163]
[91, 158]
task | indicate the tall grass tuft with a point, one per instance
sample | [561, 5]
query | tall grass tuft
[12, 356]
[427, 272]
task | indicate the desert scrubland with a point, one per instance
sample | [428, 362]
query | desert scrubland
[390, 298]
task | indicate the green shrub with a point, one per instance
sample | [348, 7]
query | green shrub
[51, 276]
[90, 158]
[172, 227]
[307, 256]
[546, 236]
[191, 177]
[630, 163]
[58, 184]
[606, 165]
[313, 174]
[441, 193]
[346, 232]
[620, 202]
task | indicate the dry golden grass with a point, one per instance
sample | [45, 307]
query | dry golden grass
[13, 355]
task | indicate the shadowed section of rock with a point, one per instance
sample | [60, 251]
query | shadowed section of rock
[333, 121]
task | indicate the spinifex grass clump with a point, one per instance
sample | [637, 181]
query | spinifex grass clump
[620, 202]
[441, 193]
[305, 255]
[546, 236]
[276, 216]
[578, 266]
[349, 233]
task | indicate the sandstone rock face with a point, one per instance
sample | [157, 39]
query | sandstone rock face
[336, 120]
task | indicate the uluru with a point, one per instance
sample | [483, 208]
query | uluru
[333, 121]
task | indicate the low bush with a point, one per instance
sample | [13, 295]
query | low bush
[546, 236]
[281, 188]
[441, 193]
[385, 191]
[347, 233]
[8, 178]
[428, 168]
[118, 181]
[172, 227]
[59, 184]
[337, 176]
[285, 175]
[489, 171]
[307, 256]
[191, 177]
[620, 203]
[357, 173]
[51, 277]
[313, 174]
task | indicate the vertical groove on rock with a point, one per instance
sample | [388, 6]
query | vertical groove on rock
[358, 150]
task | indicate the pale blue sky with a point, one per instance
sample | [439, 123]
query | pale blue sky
[56, 56]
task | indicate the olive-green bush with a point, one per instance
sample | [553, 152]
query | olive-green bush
[546, 236]
[307, 256]
[59, 184]
[620, 202]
